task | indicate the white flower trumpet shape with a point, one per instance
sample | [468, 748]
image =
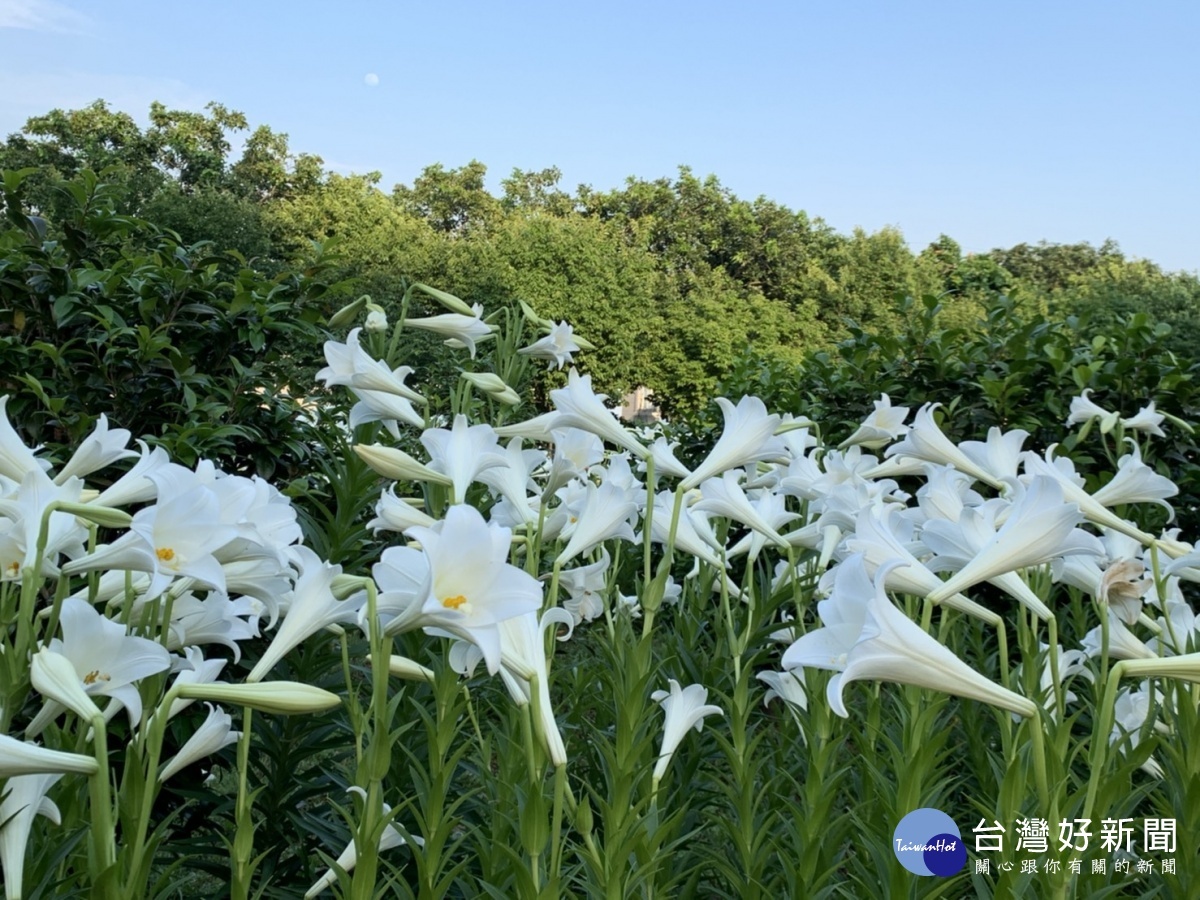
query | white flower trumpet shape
[875, 537]
[1146, 420]
[99, 449]
[881, 427]
[25, 798]
[926, 441]
[312, 608]
[579, 407]
[725, 497]
[748, 437]
[1039, 527]
[215, 733]
[1084, 410]
[457, 327]
[893, 648]
[15, 458]
[348, 858]
[605, 514]
[684, 709]
[556, 347]
[95, 658]
[394, 514]
[25, 758]
[462, 452]
[469, 586]
[352, 367]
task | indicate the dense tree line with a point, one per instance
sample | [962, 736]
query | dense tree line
[671, 278]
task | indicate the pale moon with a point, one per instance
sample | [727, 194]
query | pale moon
[371, 80]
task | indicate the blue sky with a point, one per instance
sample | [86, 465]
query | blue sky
[996, 123]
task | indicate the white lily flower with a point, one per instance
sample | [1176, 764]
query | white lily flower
[464, 330]
[394, 514]
[748, 437]
[1146, 420]
[881, 427]
[665, 463]
[606, 514]
[376, 321]
[312, 608]
[1084, 410]
[725, 497]
[585, 588]
[556, 347]
[15, 458]
[24, 758]
[347, 859]
[25, 510]
[693, 534]
[524, 657]
[514, 480]
[925, 441]
[183, 529]
[536, 429]
[469, 587]
[104, 660]
[875, 536]
[214, 733]
[385, 407]
[772, 509]
[785, 686]
[893, 648]
[24, 799]
[462, 453]
[1122, 643]
[1130, 711]
[684, 709]
[1039, 527]
[579, 407]
[135, 486]
[1136, 482]
[946, 493]
[1063, 471]
[1000, 454]
[843, 615]
[100, 448]
[217, 619]
[575, 452]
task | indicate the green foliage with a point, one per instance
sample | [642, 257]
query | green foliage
[1017, 368]
[179, 343]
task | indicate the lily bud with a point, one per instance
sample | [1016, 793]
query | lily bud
[392, 463]
[349, 312]
[493, 385]
[376, 319]
[449, 301]
[283, 698]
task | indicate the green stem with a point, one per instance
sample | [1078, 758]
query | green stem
[103, 831]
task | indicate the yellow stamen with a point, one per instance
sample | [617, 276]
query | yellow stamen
[94, 676]
[454, 602]
[165, 554]
[13, 568]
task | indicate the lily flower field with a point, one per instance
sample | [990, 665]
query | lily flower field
[581, 659]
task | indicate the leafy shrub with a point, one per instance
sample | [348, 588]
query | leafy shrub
[182, 344]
